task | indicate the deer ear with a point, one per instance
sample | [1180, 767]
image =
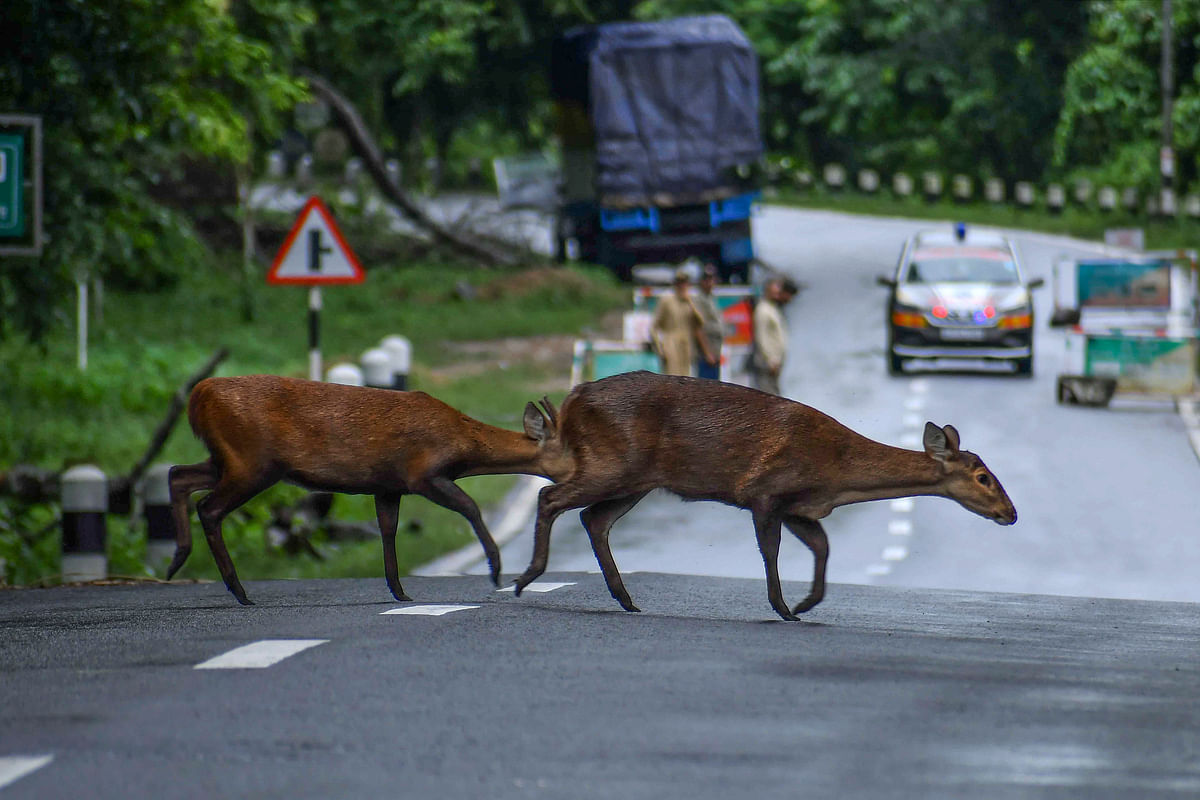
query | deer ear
[535, 423]
[951, 437]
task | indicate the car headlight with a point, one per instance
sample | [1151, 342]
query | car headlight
[914, 296]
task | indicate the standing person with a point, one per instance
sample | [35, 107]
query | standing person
[711, 334]
[770, 334]
[673, 331]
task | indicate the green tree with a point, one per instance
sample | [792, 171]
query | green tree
[1111, 124]
[130, 93]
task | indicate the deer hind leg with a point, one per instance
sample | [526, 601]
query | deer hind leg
[447, 494]
[553, 500]
[598, 520]
[767, 529]
[813, 535]
[183, 480]
[387, 513]
[227, 495]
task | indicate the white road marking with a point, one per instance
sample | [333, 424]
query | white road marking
[13, 768]
[259, 654]
[919, 386]
[427, 610]
[913, 420]
[915, 402]
[539, 586]
[902, 505]
[900, 527]
[910, 440]
[895, 553]
[879, 569]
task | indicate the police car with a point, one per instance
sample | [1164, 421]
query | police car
[959, 294]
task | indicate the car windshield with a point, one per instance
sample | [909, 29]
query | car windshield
[943, 267]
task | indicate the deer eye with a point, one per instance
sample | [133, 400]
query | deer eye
[983, 479]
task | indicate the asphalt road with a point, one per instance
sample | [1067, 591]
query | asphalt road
[1105, 496]
[880, 692]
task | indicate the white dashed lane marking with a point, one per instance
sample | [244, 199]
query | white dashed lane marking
[875, 570]
[895, 553]
[259, 654]
[900, 527]
[539, 586]
[428, 610]
[13, 768]
[902, 505]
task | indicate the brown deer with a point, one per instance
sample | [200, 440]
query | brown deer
[263, 429]
[787, 463]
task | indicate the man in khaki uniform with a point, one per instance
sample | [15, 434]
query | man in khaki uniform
[712, 332]
[770, 334]
[675, 326]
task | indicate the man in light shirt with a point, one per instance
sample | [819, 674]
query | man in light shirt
[770, 334]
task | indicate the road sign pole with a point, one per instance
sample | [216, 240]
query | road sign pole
[81, 316]
[314, 333]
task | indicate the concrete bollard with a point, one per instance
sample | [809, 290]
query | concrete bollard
[1056, 198]
[160, 525]
[834, 176]
[962, 187]
[1024, 193]
[84, 494]
[377, 368]
[347, 374]
[1130, 199]
[276, 165]
[902, 184]
[1106, 198]
[304, 168]
[993, 190]
[400, 350]
[868, 181]
[931, 186]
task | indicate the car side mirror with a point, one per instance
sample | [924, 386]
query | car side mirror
[1037, 283]
[884, 280]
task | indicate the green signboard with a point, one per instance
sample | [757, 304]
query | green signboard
[12, 184]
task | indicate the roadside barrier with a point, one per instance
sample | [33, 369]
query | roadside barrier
[160, 525]
[84, 494]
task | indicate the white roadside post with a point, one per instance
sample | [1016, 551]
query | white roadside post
[160, 525]
[314, 333]
[84, 495]
[399, 348]
[377, 368]
[345, 374]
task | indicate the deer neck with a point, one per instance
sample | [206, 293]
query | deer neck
[498, 451]
[882, 472]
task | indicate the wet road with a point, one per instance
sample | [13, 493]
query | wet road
[1105, 496]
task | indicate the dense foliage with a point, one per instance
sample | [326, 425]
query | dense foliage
[152, 110]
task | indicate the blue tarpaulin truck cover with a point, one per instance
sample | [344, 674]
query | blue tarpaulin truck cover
[672, 106]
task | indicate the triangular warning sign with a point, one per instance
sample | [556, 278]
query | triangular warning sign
[314, 252]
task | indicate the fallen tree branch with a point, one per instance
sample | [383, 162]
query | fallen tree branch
[364, 144]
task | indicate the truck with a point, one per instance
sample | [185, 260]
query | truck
[659, 134]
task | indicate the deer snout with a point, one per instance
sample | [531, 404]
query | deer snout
[1006, 517]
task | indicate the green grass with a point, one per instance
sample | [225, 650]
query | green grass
[1082, 222]
[52, 415]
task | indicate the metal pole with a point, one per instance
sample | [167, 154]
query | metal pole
[314, 333]
[1167, 153]
[81, 291]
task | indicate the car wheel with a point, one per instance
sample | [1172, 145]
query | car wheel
[1024, 367]
[895, 364]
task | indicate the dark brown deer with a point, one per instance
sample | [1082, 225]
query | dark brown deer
[263, 429]
[787, 463]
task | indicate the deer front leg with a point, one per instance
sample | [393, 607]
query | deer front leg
[812, 534]
[767, 529]
[447, 494]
